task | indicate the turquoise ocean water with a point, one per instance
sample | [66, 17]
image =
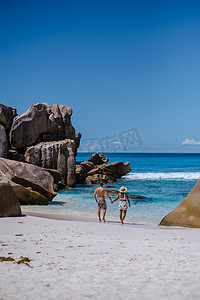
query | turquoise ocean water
[163, 179]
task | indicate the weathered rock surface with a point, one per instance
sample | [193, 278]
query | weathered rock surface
[81, 173]
[187, 213]
[48, 129]
[7, 114]
[88, 166]
[31, 184]
[89, 173]
[96, 178]
[98, 159]
[3, 142]
[116, 169]
[82, 169]
[29, 127]
[77, 141]
[26, 195]
[9, 204]
[42, 122]
[58, 155]
[55, 174]
[46, 135]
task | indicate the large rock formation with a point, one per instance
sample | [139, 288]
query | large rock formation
[111, 172]
[42, 122]
[116, 169]
[31, 184]
[96, 178]
[98, 159]
[7, 114]
[9, 204]
[43, 136]
[82, 169]
[88, 166]
[29, 127]
[87, 172]
[187, 213]
[3, 142]
[81, 174]
[55, 155]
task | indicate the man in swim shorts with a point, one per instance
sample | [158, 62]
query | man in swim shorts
[100, 199]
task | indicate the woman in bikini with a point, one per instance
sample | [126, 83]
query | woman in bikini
[123, 206]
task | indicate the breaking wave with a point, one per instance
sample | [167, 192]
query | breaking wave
[163, 176]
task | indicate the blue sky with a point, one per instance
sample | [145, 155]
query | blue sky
[118, 64]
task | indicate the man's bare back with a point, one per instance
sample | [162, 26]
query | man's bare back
[101, 193]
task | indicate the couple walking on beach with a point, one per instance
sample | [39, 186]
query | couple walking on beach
[99, 196]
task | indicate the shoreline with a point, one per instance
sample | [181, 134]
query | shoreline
[75, 218]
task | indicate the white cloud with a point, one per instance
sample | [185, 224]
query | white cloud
[190, 142]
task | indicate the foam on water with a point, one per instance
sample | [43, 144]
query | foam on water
[163, 176]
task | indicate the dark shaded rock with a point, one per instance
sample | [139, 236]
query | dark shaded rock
[31, 184]
[118, 168]
[96, 178]
[99, 170]
[81, 174]
[68, 130]
[28, 127]
[115, 170]
[88, 166]
[13, 154]
[43, 122]
[46, 136]
[98, 159]
[58, 155]
[103, 158]
[77, 141]
[63, 129]
[59, 131]
[3, 142]
[187, 213]
[56, 175]
[66, 113]
[7, 114]
[82, 168]
[9, 204]
[26, 195]
[71, 167]
[61, 185]
[89, 173]
[55, 187]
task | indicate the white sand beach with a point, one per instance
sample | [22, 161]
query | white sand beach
[81, 259]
